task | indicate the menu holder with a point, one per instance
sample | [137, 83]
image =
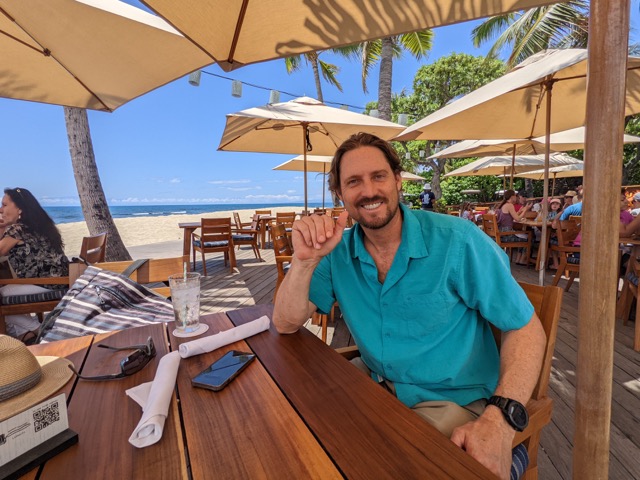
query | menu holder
[33, 436]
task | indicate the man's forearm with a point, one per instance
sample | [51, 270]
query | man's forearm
[292, 306]
[520, 361]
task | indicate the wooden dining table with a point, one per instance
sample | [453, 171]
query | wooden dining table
[187, 229]
[300, 411]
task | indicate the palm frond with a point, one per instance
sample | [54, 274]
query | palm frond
[329, 72]
[418, 43]
[293, 63]
[369, 56]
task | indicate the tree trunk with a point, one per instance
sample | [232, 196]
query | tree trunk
[92, 199]
[313, 58]
[384, 85]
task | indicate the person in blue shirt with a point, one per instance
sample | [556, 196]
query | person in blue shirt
[418, 291]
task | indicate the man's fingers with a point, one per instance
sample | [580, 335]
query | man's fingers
[457, 437]
[341, 222]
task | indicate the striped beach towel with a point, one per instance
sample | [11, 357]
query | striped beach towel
[101, 301]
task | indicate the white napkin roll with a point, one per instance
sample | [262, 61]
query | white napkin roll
[154, 398]
[210, 343]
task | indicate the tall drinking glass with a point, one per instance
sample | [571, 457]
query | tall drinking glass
[185, 296]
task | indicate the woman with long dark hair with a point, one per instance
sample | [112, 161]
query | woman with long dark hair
[34, 248]
[506, 215]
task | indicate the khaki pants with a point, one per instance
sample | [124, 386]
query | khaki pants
[443, 415]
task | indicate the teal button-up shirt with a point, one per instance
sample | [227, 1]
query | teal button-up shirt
[426, 328]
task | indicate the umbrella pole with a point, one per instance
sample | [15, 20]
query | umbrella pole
[542, 249]
[504, 180]
[553, 186]
[304, 150]
[324, 183]
[513, 165]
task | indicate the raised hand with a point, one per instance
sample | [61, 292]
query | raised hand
[315, 236]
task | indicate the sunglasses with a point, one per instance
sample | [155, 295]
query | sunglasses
[132, 363]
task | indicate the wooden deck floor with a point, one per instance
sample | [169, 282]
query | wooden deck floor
[253, 283]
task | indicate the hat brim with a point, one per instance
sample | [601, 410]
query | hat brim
[55, 375]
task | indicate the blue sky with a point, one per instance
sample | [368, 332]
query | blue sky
[161, 148]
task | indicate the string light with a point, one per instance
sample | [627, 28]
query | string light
[294, 95]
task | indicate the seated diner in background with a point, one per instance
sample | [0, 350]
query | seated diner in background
[34, 248]
[419, 292]
[505, 215]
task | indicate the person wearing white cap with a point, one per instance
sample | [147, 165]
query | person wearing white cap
[427, 197]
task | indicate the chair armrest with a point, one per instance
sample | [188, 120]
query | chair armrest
[280, 261]
[195, 236]
[244, 231]
[35, 281]
[349, 352]
[558, 248]
[539, 416]
[514, 232]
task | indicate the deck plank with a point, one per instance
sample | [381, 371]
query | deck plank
[253, 283]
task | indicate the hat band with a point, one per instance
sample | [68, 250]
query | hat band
[22, 385]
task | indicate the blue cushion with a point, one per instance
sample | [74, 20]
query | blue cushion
[222, 243]
[574, 259]
[633, 278]
[33, 297]
[248, 238]
[520, 461]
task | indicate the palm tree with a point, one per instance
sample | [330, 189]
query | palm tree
[328, 71]
[92, 199]
[562, 25]
[385, 50]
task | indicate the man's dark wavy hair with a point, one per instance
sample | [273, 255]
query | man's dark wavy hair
[34, 217]
[356, 141]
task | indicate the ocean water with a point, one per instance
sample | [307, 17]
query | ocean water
[74, 214]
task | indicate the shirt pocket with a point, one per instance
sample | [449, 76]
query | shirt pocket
[425, 315]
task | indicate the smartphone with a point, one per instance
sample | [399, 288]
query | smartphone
[221, 372]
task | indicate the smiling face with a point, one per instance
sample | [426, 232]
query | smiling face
[369, 188]
[9, 211]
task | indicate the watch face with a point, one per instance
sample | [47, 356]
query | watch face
[519, 416]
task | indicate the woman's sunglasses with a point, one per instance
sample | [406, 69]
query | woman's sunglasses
[132, 363]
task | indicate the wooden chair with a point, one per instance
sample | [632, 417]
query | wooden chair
[94, 248]
[247, 234]
[286, 219]
[266, 226]
[215, 236]
[282, 251]
[547, 302]
[490, 227]
[38, 303]
[567, 232]
[152, 272]
[630, 292]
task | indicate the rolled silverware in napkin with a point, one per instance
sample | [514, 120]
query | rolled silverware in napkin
[154, 398]
[210, 343]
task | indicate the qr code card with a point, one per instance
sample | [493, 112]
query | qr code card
[28, 429]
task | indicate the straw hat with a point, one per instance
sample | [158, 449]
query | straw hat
[570, 193]
[26, 380]
[555, 200]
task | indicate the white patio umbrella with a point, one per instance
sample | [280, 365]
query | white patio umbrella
[237, 32]
[505, 165]
[303, 124]
[95, 54]
[572, 139]
[564, 171]
[322, 164]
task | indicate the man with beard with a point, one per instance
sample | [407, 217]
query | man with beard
[418, 291]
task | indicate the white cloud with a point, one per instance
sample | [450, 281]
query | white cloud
[274, 197]
[240, 189]
[291, 191]
[174, 180]
[228, 182]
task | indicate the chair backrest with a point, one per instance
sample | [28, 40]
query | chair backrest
[286, 218]
[94, 248]
[547, 302]
[567, 231]
[531, 215]
[215, 230]
[490, 226]
[281, 245]
[319, 211]
[263, 212]
[236, 219]
[155, 270]
[255, 221]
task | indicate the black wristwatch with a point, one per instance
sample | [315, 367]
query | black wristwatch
[514, 412]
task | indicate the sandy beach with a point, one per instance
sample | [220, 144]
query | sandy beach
[145, 230]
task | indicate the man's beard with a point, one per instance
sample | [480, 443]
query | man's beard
[378, 222]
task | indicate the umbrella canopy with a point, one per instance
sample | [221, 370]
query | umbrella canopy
[235, 32]
[572, 139]
[564, 171]
[502, 165]
[322, 164]
[300, 125]
[515, 106]
[95, 54]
